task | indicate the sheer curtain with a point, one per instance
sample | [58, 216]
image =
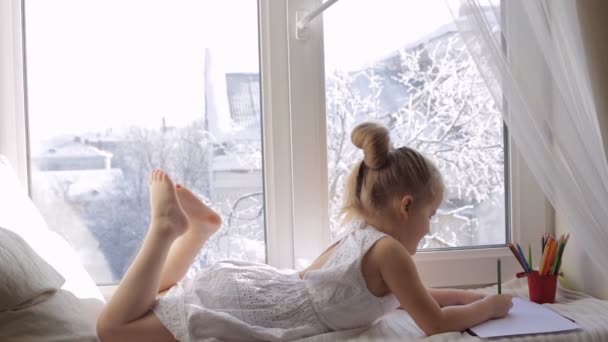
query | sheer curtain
[531, 55]
[12, 105]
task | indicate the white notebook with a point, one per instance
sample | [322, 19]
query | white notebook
[525, 318]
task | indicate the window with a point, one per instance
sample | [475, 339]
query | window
[288, 199]
[158, 88]
[469, 259]
[410, 69]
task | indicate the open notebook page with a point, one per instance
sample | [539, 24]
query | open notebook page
[524, 318]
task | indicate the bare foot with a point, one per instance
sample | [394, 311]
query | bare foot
[168, 217]
[200, 217]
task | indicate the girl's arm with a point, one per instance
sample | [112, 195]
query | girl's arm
[450, 297]
[400, 275]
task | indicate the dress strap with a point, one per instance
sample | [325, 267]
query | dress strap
[368, 237]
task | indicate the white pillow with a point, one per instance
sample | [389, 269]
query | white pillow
[71, 312]
[60, 317]
[25, 276]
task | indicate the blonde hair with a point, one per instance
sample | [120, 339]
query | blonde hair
[386, 174]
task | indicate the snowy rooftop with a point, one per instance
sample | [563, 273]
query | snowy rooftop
[80, 182]
[73, 149]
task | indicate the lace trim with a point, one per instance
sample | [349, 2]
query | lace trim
[169, 309]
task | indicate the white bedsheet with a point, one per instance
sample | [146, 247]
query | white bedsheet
[589, 312]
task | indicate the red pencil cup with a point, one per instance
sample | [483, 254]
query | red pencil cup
[542, 287]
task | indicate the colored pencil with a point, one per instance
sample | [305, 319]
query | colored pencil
[516, 254]
[550, 255]
[543, 258]
[530, 258]
[559, 262]
[499, 280]
[553, 256]
[546, 260]
[523, 257]
[560, 248]
[552, 250]
[542, 246]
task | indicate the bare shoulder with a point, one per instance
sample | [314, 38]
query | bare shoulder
[388, 254]
[388, 248]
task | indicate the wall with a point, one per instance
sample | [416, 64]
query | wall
[580, 273]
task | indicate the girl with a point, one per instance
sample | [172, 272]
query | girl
[392, 193]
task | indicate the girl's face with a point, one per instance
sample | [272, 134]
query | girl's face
[417, 223]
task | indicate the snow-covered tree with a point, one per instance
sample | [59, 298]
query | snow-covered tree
[440, 106]
[121, 218]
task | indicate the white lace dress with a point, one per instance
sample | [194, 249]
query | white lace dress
[244, 301]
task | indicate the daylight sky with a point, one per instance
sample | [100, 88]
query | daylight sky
[96, 64]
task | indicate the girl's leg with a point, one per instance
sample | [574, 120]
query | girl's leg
[202, 223]
[148, 328]
[138, 289]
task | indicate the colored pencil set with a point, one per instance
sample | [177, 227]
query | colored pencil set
[553, 250]
[551, 260]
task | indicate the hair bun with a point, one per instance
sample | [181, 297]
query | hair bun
[374, 140]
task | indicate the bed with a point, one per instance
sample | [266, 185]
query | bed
[47, 295]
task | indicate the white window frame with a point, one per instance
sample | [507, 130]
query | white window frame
[295, 153]
[530, 213]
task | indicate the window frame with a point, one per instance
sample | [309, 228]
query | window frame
[529, 212]
[295, 156]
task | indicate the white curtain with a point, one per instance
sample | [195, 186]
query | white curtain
[12, 105]
[532, 59]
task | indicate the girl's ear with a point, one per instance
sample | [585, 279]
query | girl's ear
[405, 206]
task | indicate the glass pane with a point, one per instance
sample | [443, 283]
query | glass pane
[118, 88]
[408, 68]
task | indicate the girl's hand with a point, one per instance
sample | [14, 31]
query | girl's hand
[500, 304]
